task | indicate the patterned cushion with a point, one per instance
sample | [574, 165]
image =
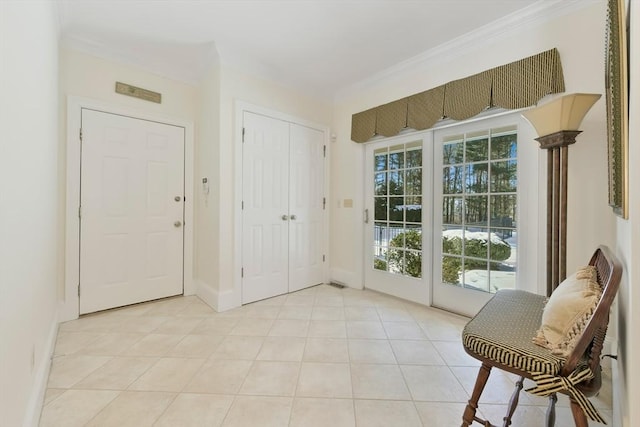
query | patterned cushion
[502, 332]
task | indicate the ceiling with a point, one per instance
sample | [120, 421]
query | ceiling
[318, 46]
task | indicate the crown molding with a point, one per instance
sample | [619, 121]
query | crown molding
[529, 17]
[158, 58]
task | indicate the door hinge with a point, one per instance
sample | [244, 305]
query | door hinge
[78, 289]
[243, 134]
[243, 205]
[79, 211]
[324, 151]
[242, 272]
[80, 134]
[323, 258]
[324, 203]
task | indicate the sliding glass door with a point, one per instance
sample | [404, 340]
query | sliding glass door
[475, 213]
[398, 206]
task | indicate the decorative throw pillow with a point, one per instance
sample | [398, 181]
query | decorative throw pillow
[568, 310]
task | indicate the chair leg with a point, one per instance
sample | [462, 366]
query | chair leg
[579, 417]
[513, 403]
[472, 406]
[551, 411]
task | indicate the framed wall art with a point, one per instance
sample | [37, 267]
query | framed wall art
[617, 90]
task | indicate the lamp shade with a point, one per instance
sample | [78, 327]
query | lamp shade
[564, 113]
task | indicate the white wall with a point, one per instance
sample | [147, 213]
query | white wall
[234, 85]
[207, 166]
[579, 39]
[28, 205]
[628, 248]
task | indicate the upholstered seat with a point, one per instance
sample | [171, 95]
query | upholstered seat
[501, 336]
[489, 335]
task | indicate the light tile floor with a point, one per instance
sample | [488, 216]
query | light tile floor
[319, 357]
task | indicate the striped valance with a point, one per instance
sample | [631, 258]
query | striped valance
[516, 85]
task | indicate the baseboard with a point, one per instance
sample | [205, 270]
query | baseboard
[34, 407]
[345, 277]
[207, 294]
[219, 301]
[228, 300]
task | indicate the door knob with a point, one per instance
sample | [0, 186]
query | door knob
[177, 198]
[293, 217]
[177, 224]
[284, 217]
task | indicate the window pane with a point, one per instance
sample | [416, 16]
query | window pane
[476, 210]
[380, 160]
[396, 183]
[504, 177]
[452, 180]
[501, 277]
[396, 157]
[476, 275]
[413, 209]
[413, 237]
[452, 241]
[504, 147]
[476, 242]
[380, 258]
[380, 213]
[477, 150]
[413, 263]
[476, 178]
[396, 209]
[381, 234]
[414, 182]
[503, 233]
[453, 153]
[395, 258]
[398, 238]
[414, 157]
[503, 210]
[451, 268]
[452, 210]
[380, 184]
[499, 250]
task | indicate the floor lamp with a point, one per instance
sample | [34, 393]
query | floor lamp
[557, 125]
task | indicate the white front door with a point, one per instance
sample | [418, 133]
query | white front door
[282, 213]
[132, 210]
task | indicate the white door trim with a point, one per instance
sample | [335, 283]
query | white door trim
[69, 301]
[235, 300]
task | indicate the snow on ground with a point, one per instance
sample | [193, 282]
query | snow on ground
[499, 279]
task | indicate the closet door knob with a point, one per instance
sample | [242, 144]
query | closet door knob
[293, 217]
[284, 217]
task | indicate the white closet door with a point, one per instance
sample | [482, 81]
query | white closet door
[265, 215]
[132, 204]
[306, 177]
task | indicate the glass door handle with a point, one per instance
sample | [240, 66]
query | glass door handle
[366, 216]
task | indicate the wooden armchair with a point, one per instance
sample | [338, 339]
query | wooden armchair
[500, 336]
